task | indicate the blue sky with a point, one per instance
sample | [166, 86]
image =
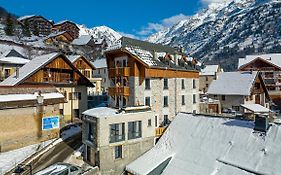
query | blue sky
[139, 18]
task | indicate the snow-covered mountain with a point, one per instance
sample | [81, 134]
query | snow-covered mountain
[100, 32]
[224, 32]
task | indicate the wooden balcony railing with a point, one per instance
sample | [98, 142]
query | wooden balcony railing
[159, 131]
[123, 90]
[120, 71]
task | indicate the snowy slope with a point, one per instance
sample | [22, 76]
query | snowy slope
[100, 32]
[223, 32]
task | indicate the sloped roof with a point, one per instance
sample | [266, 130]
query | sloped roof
[209, 145]
[28, 69]
[256, 108]
[66, 21]
[82, 40]
[14, 60]
[100, 63]
[23, 97]
[25, 17]
[73, 58]
[233, 83]
[274, 59]
[14, 53]
[210, 70]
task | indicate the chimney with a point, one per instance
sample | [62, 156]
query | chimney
[17, 72]
[261, 123]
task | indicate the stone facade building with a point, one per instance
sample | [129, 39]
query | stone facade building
[114, 138]
[22, 115]
[207, 75]
[234, 89]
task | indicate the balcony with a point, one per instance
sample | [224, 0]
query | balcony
[120, 72]
[123, 90]
[159, 131]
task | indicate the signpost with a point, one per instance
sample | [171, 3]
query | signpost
[49, 123]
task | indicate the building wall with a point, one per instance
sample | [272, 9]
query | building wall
[102, 73]
[131, 149]
[23, 126]
[157, 93]
[69, 107]
[204, 80]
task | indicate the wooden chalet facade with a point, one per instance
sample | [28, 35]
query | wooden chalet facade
[37, 24]
[58, 71]
[67, 26]
[270, 69]
[140, 77]
[59, 37]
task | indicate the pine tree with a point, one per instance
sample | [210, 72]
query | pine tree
[26, 30]
[9, 28]
[36, 30]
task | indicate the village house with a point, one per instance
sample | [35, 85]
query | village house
[67, 26]
[114, 138]
[9, 62]
[100, 74]
[270, 67]
[55, 69]
[85, 67]
[234, 89]
[142, 73]
[210, 145]
[59, 38]
[37, 23]
[149, 85]
[28, 115]
[207, 75]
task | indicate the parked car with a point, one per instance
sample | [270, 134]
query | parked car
[60, 169]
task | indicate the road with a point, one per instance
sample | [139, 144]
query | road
[58, 153]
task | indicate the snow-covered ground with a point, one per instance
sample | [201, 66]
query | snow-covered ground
[8, 160]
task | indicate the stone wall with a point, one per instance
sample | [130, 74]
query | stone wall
[21, 127]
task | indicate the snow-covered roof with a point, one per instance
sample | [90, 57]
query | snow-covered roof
[101, 112]
[82, 40]
[274, 59]
[25, 17]
[256, 108]
[209, 145]
[13, 60]
[23, 97]
[29, 68]
[73, 58]
[233, 83]
[56, 34]
[100, 63]
[210, 70]
[142, 54]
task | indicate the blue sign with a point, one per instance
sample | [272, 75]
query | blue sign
[50, 123]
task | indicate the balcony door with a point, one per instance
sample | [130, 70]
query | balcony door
[121, 62]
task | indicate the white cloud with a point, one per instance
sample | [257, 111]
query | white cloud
[207, 2]
[128, 35]
[164, 23]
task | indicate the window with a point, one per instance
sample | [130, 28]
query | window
[182, 100]
[193, 83]
[165, 101]
[194, 98]
[182, 84]
[165, 83]
[75, 96]
[206, 78]
[147, 83]
[236, 108]
[223, 97]
[90, 133]
[76, 113]
[149, 122]
[156, 121]
[118, 152]
[134, 130]
[166, 120]
[117, 132]
[61, 111]
[147, 101]
[207, 85]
